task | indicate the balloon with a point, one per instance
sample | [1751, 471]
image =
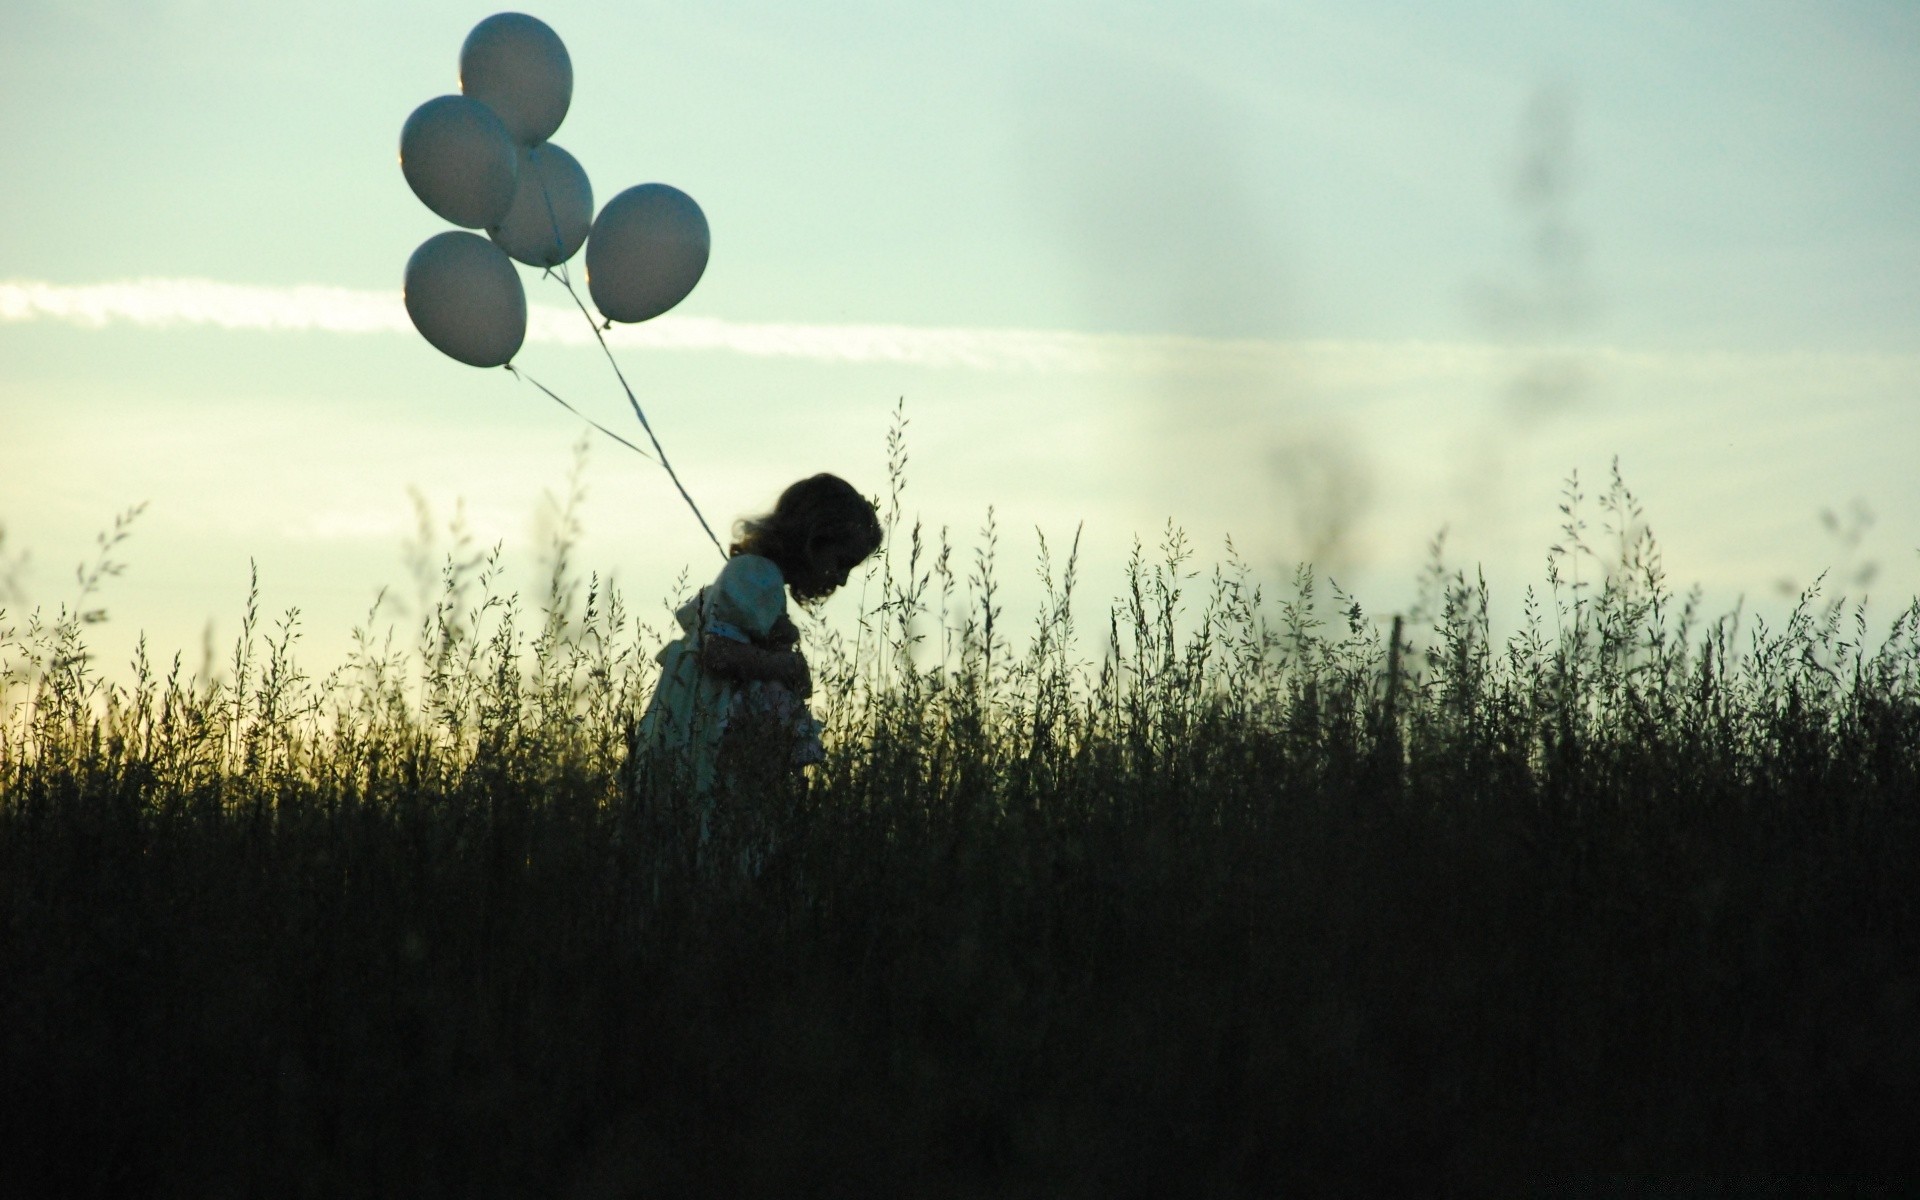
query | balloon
[516, 65]
[465, 298]
[646, 251]
[458, 159]
[552, 208]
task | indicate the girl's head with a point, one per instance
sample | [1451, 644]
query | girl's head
[818, 532]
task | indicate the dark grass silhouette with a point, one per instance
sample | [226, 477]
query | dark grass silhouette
[1252, 907]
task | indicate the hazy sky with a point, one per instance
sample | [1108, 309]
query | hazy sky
[1326, 278]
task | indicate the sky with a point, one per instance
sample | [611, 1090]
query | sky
[1327, 279]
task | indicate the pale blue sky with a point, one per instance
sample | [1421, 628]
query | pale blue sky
[1724, 261]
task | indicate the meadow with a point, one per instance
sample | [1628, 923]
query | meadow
[1261, 898]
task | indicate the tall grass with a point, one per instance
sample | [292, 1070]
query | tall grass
[1262, 896]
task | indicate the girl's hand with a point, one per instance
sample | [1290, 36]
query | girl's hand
[741, 660]
[799, 677]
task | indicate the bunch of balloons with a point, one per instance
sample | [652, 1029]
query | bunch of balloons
[481, 160]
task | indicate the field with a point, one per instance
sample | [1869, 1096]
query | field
[1248, 905]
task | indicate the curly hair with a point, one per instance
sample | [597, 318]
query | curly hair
[816, 508]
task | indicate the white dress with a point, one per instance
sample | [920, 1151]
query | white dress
[691, 707]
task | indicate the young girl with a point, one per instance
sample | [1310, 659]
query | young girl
[730, 708]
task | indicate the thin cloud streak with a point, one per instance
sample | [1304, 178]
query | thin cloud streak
[166, 303]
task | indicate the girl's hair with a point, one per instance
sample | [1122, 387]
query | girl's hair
[817, 507]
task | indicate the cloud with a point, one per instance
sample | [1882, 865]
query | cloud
[1331, 364]
[165, 302]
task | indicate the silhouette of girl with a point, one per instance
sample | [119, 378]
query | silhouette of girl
[729, 712]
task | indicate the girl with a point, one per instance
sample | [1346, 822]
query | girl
[729, 711]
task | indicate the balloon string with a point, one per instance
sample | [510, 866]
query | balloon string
[553, 220]
[598, 336]
[519, 374]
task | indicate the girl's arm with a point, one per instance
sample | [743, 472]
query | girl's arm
[742, 660]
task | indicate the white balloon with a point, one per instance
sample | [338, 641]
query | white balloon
[458, 159]
[516, 65]
[552, 208]
[465, 298]
[646, 251]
